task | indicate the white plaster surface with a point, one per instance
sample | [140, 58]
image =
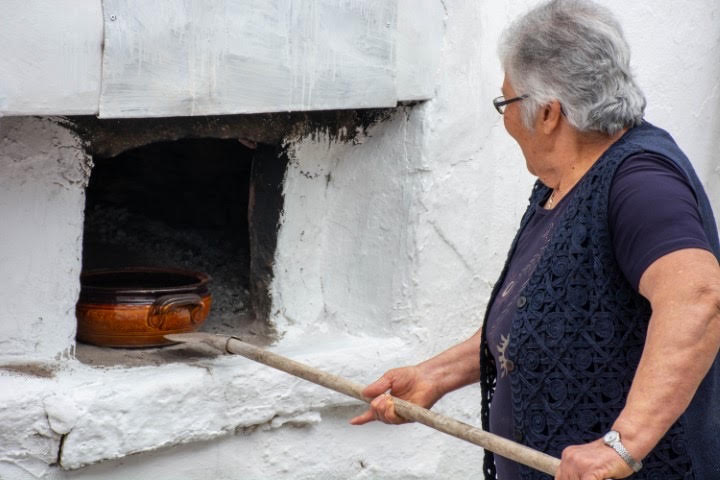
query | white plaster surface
[261, 422]
[419, 214]
[386, 253]
[192, 57]
[43, 174]
[132, 58]
[50, 53]
[419, 39]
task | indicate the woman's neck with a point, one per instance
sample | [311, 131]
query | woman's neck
[573, 155]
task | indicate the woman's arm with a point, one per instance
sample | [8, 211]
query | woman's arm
[682, 342]
[425, 383]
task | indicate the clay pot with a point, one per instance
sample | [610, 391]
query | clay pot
[135, 307]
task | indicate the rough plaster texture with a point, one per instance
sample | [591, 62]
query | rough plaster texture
[386, 254]
[250, 421]
[43, 174]
[449, 174]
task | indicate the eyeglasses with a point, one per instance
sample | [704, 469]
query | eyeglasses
[500, 103]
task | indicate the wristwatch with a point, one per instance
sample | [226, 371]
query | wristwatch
[612, 440]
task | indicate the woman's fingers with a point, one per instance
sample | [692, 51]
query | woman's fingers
[399, 382]
[385, 410]
[367, 416]
[373, 390]
[381, 409]
[378, 387]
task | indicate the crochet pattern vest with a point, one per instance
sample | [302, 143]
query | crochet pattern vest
[579, 329]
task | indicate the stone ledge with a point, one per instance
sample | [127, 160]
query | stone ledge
[83, 415]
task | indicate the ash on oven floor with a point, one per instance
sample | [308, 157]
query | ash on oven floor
[251, 332]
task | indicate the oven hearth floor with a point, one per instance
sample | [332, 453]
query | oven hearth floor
[257, 333]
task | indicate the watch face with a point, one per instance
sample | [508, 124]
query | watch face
[611, 436]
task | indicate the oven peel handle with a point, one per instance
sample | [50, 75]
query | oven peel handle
[494, 443]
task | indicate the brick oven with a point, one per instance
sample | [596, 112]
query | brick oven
[335, 165]
[224, 137]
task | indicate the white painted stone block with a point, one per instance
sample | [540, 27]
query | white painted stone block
[50, 53]
[194, 57]
[43, 174]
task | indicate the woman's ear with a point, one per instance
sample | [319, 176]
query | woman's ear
[551, 116]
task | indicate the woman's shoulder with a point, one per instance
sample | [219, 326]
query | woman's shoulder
[637, 165]
[652, 211]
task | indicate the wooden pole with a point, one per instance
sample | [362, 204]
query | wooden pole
[494, 443]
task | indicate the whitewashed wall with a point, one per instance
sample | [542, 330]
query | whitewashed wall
[441, 198]
[443, 203]
[386, 254]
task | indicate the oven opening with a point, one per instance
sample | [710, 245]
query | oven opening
[189, 204]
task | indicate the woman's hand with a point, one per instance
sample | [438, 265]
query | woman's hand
[592, 461]
[408, 383]
[423, 384]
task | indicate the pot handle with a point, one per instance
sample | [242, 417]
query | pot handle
[167, 303]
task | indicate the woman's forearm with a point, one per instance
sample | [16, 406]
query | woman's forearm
[455, 367]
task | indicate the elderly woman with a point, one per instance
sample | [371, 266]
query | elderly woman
[601, 336]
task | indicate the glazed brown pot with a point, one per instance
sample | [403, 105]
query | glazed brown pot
[135, 307]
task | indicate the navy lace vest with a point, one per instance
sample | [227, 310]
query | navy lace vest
[579, 329]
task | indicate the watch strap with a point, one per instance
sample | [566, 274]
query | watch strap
[612, 439]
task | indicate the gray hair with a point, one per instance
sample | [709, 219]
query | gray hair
[573, 51]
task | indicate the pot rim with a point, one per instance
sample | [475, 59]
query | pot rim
[201, 280]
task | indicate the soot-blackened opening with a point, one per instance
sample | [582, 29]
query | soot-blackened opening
[186, 204]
